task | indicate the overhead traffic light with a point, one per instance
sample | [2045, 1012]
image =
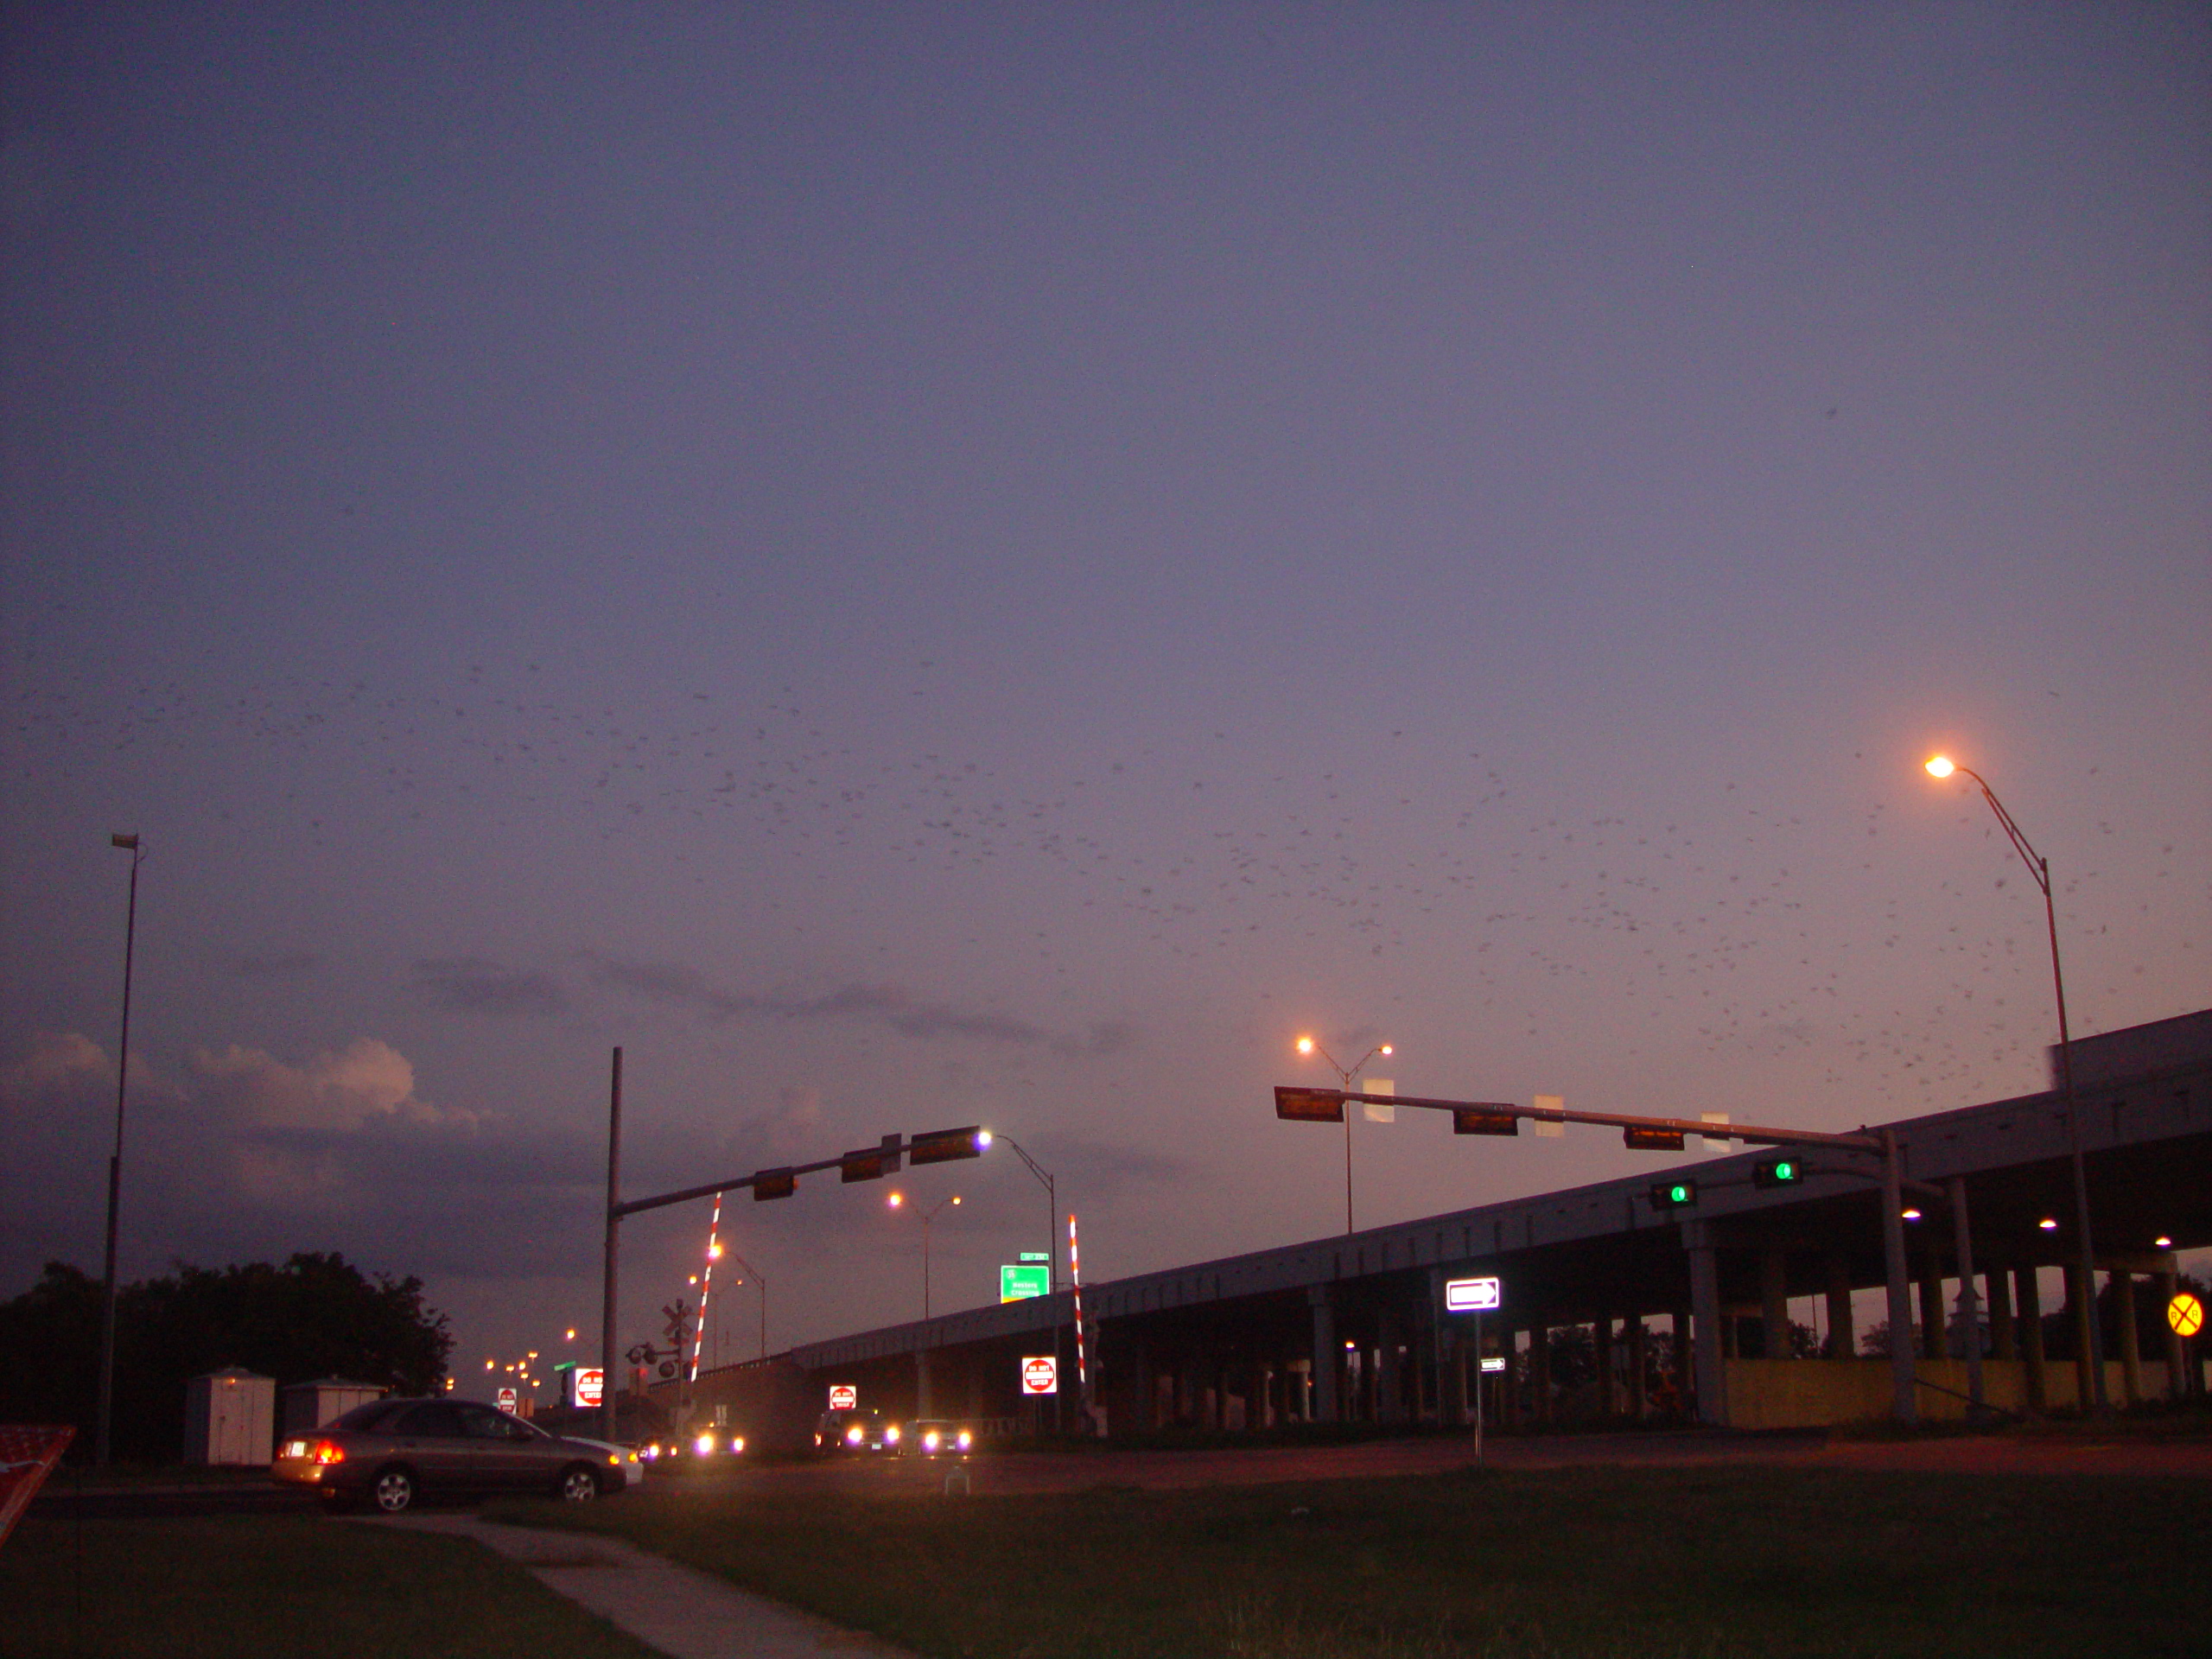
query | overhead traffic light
[1777, 1172]
[871, 1163]
[1476, 1121]
[1310, 1105]
[1637, 1139]
[943, 1146]
[1674, 1195]
[775, 1184]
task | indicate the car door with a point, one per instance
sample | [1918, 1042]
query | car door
[430, 1438]
[509, 1454]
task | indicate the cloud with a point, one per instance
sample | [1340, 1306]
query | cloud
[364, 1082]
[886, 1005]
[471, 985]
[60, 1064]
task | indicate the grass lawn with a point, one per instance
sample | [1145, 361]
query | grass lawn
[1501, 1564]
[276, 1585]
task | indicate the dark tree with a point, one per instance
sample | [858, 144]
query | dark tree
[316, 1315]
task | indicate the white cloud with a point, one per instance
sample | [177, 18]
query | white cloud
[60, 1063]
[366, 1084]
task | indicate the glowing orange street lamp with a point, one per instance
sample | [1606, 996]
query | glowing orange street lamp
[2089, 1339]
[1307, 1045]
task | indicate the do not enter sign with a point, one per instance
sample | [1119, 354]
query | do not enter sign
[1041, 1375]
[2186, 1314]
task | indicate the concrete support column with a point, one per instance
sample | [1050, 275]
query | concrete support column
[1969, 1305]
[2131, 1341]
[2083, 1296]
[1602, 1356]
[1904, 1393]
[1540, 1371]
[1774, 1303]
[2086, 1348]
[1843, 1339]
[1685, 1352]
[1390, 1380]
[922, 1383]
[1930, 1296]
[2029, 1295]
[1705, 1309]
[2003, 1334]
[1639, 1366]
[1327, 1354]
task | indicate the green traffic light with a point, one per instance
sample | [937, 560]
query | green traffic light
[1679, 1193]
[1785, 1171]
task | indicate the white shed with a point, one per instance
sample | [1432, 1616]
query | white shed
[307, 1406]
[230, 1418]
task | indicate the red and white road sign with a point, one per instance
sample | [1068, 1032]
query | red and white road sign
[1040, 1374]
[590, 1385]
[507, 1398]
[843, 1396]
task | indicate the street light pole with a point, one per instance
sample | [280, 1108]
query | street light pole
[928, 1216]
[1307, 1045]
[1052, 1211]
[2089, 1339]
[104, 1420]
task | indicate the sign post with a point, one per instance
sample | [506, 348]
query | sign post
[1474, 1296]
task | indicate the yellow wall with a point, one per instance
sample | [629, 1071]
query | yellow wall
[1815, 1393]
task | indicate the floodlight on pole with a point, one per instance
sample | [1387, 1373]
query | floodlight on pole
[2089, 1338]
[1307, 1045]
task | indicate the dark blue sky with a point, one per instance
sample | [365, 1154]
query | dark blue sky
[944, 563]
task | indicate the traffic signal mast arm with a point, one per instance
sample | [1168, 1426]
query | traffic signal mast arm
[893, 1145]
[1750, 1132]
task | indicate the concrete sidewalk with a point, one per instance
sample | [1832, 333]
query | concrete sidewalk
[684, 1613]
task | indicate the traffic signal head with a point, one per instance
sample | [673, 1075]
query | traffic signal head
[1472, 1120]
[1310, 1105]
[775, 1184]
[1674, 1195]
[871, 1165]
[1777, 1172]
[1638, 1139]
[943, 1146]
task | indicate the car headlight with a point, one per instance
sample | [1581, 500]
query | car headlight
[891, 1435]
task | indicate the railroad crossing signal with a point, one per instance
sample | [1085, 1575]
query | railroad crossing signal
[1674, 1195]
[2185, 1314]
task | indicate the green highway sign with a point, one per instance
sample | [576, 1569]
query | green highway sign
[1030, 1279]
[1035, 1256]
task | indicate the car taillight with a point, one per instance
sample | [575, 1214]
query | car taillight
[327, 1451]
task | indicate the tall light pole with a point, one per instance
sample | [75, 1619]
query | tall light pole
[103, 1437]
[1052, 1211]
[761, 1280]
[2088, 1341]
[1307, 1045]
[896, 1201]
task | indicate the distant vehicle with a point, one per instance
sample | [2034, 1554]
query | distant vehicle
[389, 1453]
[855, 1429]
[931, 1437]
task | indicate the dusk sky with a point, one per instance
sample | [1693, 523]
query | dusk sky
[922, 564]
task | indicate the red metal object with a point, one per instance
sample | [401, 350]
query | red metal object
[28, 1456]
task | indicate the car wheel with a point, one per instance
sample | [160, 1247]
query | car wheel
[579, 1485]
[394, 1489]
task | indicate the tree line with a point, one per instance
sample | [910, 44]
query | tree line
[314, 1316]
